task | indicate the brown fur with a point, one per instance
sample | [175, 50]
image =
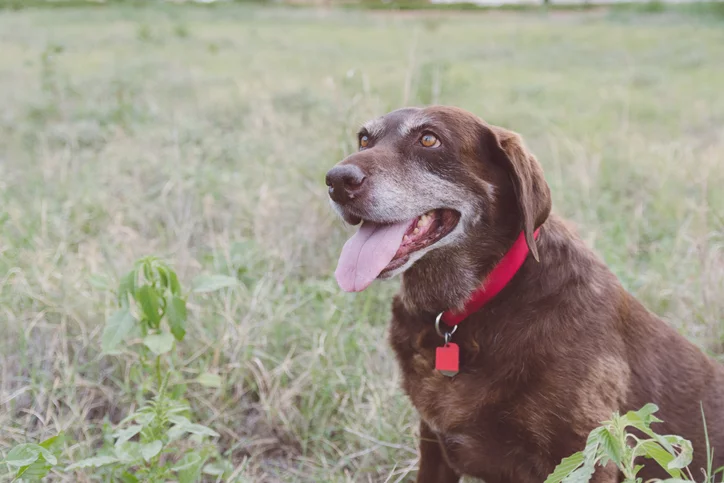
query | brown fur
[553, 354]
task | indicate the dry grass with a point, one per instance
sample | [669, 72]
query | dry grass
[203, 135]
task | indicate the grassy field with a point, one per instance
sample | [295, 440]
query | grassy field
[203, 135]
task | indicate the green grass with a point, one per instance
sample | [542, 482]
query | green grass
[203, 135]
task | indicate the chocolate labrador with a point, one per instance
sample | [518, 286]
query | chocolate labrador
[514, 339]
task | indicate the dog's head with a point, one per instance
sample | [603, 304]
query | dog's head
[433, 184]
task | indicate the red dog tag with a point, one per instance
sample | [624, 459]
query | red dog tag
[447, 359]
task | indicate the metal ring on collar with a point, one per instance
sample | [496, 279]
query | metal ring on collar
[444, 335]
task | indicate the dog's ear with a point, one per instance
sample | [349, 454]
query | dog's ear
[526, 174]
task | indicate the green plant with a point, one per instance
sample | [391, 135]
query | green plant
[30, 461]
[157, 425]
[144, 33]
[614, 442]
[158, 441]
[148, 295]
[181, 30]
[49, 69]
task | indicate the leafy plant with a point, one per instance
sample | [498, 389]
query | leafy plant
[158, 424]
[30, 461]
[147, 296]
[159, 441]
[613, 442]
[49, 71]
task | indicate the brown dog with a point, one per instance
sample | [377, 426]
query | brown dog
[443, 197]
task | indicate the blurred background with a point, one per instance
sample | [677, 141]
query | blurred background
[201, 134]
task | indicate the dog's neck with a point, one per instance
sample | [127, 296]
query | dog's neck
[494, 282]
[445, 279]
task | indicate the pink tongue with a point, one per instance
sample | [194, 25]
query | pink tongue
[367, 253]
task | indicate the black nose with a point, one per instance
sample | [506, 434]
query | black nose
[345, 182]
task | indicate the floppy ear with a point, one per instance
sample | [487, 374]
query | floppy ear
[526, 174]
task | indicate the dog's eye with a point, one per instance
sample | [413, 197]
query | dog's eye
[429, 141]
[364, 141]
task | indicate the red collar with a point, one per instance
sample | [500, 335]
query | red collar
[494, 282]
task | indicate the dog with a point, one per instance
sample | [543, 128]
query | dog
[513, 338]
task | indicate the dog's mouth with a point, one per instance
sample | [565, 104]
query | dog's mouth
[379, 248]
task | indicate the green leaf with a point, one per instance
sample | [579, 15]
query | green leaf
[142, 418]
[173, 283]
[126, 434]
[591, 455]
[176, 313]
[565, 467]
[189, 468]
[212, 283]
[183, 425]
[149, 450]
[163, 275]
[219, 468]
[209, 379]
[23, 455]
[643, 419]
[652, 449]
[54, 443]
[126, 287]
[611, 447]
[200, 429]
[95, 462]
[48, 456]
[646, 414]
[590, 452]
[188, 461]
[147, 298]
[118, 326]
[36, 471]
[129, 452]
[175, 432]
[147, 268]
[176, 407]
[46, 459]
[159, 343]
[686, 452]
[582, 474]
[126, 477]
[179, 420]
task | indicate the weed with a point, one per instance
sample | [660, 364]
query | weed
[181, 30]
[144, 32]
[32, 461]
[158, 441]
[614, 443]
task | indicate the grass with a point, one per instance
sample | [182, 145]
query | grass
[202, 136]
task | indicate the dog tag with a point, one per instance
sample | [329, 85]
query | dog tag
[447, 359]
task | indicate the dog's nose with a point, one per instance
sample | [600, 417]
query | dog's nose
[345, 182]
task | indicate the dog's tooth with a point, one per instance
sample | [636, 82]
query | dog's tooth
[415, 231]
[421, 221]
[406, 238]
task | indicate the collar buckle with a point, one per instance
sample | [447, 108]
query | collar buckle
[444, 334]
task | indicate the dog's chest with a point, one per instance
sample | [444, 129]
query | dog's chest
[481, 422]
[481, 435]
[444, 402]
